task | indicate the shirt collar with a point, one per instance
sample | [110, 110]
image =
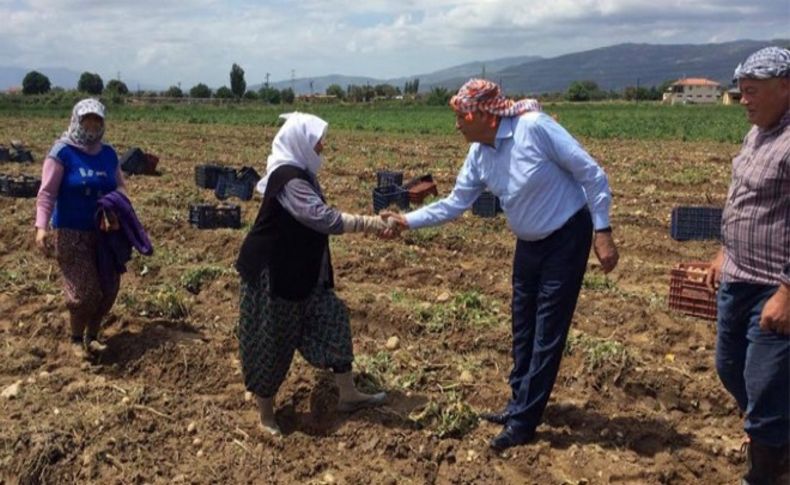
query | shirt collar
[504, 131]
[783, 122]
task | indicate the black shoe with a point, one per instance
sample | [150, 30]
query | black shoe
[766, 464]
[496, 418]
[510, 437]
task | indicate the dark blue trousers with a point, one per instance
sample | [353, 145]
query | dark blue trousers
[754, 365]
[547, 277]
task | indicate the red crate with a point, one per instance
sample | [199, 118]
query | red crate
[421, 187]
[688, 293]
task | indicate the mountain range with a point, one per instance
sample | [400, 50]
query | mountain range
[612, 68]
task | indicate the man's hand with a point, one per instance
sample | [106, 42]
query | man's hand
[713, 276]
[606, 251]
[776, 312]
[396, 224]
[41, 241]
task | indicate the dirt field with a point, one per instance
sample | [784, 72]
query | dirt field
[637, 399]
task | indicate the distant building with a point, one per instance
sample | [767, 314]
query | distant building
[731, 96]
[692, 91]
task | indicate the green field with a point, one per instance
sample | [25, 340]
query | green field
[594, 120]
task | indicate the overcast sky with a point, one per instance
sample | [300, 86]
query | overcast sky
[164, 42]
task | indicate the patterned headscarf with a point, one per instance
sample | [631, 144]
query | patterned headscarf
[483, 95]
[76, 135]
[765, 64]
[295, 145]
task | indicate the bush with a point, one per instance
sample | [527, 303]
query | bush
[223, 93]
[116, 86]
[90, 83]
[174, 92]
[287, 95]
[438, 96]
[335, 90]
[200, 90]
[35, 83]
[269, 95]
[250, 95]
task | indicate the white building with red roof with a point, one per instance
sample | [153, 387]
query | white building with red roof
[693, 90]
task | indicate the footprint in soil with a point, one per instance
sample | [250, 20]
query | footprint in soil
[130, 345]
[645, 436]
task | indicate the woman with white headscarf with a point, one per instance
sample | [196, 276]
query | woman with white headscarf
[78, 171]
[287, 299]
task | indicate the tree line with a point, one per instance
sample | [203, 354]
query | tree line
[35, 82]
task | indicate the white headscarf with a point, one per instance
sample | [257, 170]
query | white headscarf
[295, 145]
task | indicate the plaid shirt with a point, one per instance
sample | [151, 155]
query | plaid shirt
[756, 219]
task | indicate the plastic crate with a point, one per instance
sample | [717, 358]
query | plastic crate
[151, 162]
[133, 161]
[421, 187]
[688, 293]
[385, 178]
[696, 223]
[487, 205]
[385, 196]
[21, 155]
[22, 187]
[207, 175]
[248, 175]
[5, 154]
[209, 216]
[230, 185]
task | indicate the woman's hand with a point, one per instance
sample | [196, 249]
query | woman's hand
[41, 240]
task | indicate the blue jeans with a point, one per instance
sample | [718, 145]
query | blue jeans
[547, 277]
[753, 364]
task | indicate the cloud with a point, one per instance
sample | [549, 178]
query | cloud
[197, 40]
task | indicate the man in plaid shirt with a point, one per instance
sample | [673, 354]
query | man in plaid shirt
[752, 269]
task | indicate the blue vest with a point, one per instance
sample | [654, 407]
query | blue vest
[86, 178]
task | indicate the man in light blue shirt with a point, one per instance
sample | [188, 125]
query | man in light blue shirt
[554, 196]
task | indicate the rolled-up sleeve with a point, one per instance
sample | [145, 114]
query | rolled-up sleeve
[563, 149]
[302, 201]
[468, 187]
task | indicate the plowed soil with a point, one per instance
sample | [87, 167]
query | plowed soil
[637, 399]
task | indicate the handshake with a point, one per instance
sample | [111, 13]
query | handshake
[387, 225]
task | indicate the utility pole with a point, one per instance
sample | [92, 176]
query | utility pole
[267, 80]
[637, 91]
[293, 81]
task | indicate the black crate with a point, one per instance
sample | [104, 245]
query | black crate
[696, 223]
[134, 161]
[22, 187]
[386, 177]
[230, 185]
[209, 216]
[385, 196]
[5, 154]
[20, 155]
[248, 175]
[486, 205]
[206, 176]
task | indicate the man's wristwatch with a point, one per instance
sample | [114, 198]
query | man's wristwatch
[604, 229]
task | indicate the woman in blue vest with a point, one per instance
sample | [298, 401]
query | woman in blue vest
[288, 300]
[78, 171]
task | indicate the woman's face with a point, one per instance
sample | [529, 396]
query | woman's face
[91, 123]
[319, 147]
